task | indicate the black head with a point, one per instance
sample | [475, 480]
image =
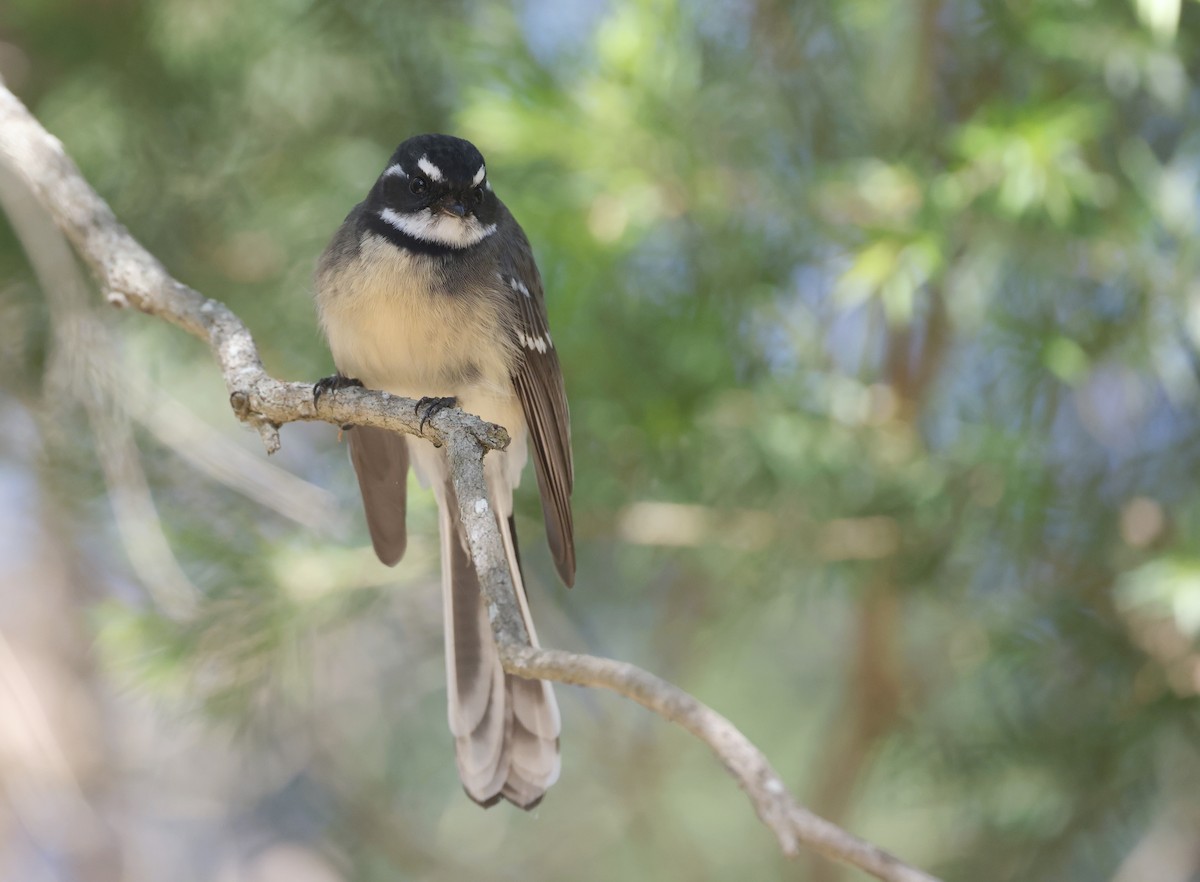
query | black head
[434, 196]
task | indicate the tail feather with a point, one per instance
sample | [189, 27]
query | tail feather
[380, 460]
[533, 748]
[505, 728]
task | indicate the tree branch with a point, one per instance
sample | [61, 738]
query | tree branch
[131, 276]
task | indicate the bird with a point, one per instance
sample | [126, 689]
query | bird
[429, 290]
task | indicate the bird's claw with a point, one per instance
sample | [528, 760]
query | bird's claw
[432, 407]
[332, 384]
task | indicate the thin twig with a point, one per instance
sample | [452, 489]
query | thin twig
[130, 276]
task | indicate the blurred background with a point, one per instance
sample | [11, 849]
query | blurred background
[879, 324]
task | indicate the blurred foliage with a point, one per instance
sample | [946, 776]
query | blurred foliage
[880, 327]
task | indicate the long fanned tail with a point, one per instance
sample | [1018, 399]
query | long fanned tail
[505, 728]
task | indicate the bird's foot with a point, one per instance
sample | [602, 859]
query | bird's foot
[428, 408]
[332, 384]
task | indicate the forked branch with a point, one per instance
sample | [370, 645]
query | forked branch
[130, 276]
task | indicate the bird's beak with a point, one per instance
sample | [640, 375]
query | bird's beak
[454, 207]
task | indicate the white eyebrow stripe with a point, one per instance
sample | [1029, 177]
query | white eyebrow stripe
[395, 171]
[479, 176]
[434, 173]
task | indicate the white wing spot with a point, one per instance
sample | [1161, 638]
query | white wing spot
[395, 171]
[518, 285]
[540, 344]
[478, 179]
[434, 173]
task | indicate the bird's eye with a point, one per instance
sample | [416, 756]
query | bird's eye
[477, 194]
[418, 186]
